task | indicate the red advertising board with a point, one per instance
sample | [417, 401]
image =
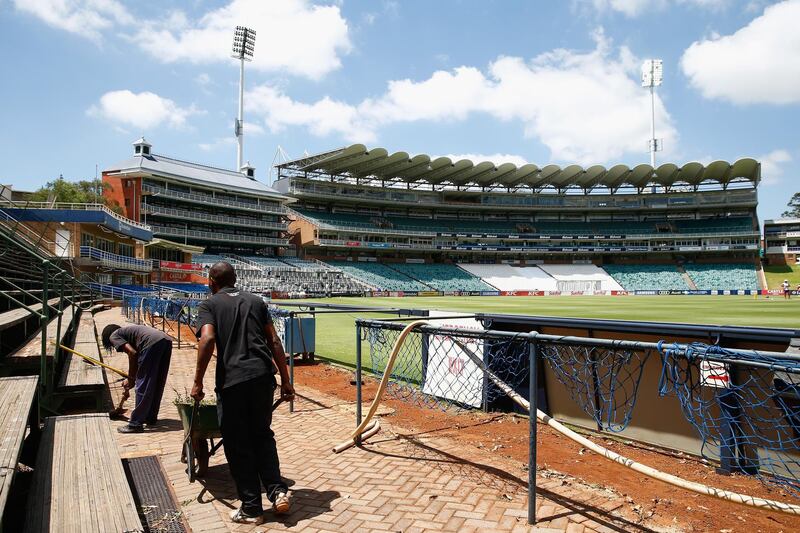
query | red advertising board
[172, 265]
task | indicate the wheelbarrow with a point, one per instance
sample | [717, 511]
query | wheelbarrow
[200, 429]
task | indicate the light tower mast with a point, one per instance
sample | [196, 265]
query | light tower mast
[244, 44]
[652, 77]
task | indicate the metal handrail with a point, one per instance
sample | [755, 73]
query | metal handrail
[75, 206]
[217, 236]
[208, 199]
[194, 215]
[116, 260]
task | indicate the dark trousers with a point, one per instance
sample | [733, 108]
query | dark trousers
[245, 414]
[151, 378]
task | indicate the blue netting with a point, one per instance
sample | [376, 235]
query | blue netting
[744, 405]
[603, 381]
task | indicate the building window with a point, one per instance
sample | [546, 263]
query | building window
[138, 150]
[125, 249]
[127, 202]
[87, 239]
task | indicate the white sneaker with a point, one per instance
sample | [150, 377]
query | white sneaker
[238, 516]
[281, 505]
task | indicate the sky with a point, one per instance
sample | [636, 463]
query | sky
[501, 80]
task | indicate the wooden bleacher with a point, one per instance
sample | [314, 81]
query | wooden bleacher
[79, 483]
[16, 399]
[15, 316]
[78, 372]
[31, 351]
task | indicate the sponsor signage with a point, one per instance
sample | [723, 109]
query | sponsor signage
[181, 266]
[429, 293]
[450, 373]
[352, 243]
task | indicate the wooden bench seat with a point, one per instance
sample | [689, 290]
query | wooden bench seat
[15, 316]
[79, 483]
[78, 373]
[16, 398]
[33, 348]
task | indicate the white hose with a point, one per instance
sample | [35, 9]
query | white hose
[693, 486]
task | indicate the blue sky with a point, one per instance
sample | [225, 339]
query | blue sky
[504, 80]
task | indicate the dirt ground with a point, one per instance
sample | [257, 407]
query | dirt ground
[507, 435]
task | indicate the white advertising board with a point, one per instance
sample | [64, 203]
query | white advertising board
[450, 373]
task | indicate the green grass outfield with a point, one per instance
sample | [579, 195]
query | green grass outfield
[777, 273]
[335, 333]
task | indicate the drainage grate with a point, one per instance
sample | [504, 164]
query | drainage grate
[159, 511]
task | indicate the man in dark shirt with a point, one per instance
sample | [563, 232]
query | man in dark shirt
[239, 325]
[149, 352]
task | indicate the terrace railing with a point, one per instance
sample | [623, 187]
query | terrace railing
[217, 236]
[74, 207]
[206, 217]
[211, 200]
[116, 261]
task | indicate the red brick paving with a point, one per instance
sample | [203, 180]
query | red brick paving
[395, 482]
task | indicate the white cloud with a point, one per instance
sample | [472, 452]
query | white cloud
[322, 118]
[143, 110]
[87, 18]
[772, 165]
[291, 35]
[634, 8]
[497, 159]
[585, 107]
[757, 64]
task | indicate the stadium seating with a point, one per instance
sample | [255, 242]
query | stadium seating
[207, 259]
[581, 278]
[186, 287]
[543, 227]
[512, 278]
[443, 277]
[379, 276]
[722, 276]
[647, 277]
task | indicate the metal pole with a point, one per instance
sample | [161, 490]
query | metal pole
[532, 397]
[290, 343]
[358, 379]
[240, 121]
[652, 127]
[43, 320]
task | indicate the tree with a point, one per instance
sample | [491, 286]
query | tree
[79, 192]
[794, 207]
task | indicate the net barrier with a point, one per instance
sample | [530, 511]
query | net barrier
[454, 368]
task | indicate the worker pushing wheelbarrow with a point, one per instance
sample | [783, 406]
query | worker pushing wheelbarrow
[239, 327]
[200, 429]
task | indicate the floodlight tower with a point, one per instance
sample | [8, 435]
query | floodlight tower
[244, 44]
[652, 77]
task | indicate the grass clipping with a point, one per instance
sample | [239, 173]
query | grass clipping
[184, 398]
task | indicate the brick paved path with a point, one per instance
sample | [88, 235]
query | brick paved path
[398, 482]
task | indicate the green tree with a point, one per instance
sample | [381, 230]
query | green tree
[794, 207]
[78, 192]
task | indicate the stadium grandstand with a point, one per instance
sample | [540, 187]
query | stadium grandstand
[418, 223]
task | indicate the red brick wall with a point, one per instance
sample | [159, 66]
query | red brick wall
[118, 193]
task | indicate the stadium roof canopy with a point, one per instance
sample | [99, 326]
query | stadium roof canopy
[356, 161]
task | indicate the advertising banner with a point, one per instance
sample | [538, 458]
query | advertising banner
[450, 373]
[181, 266]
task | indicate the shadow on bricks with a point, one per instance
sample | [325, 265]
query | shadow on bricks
[506, 483]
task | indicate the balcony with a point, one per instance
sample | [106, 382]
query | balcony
[206, 199]
[215, 219]
[115, 261]
[217, 236]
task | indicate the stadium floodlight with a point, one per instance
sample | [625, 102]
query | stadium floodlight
[652, 77]
[244, 45]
